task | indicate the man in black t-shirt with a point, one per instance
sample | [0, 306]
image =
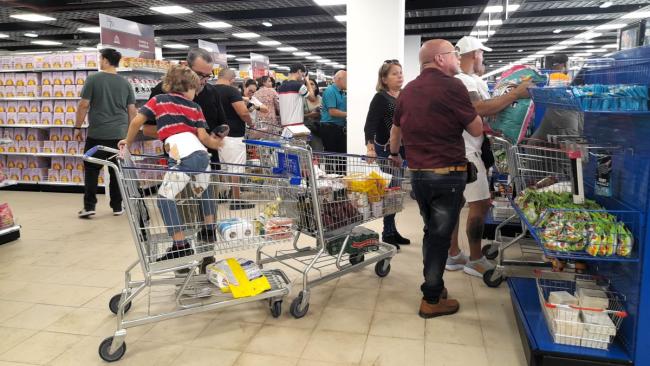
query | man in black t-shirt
[208, 98]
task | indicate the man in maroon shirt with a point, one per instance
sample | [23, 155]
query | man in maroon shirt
[430, 116]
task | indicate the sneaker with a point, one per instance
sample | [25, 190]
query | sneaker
[177, 252]
[206, 235]
[456, 263]
[119, 212]
[240, 205]
[85, 214]
[478, 267]
[443, 307]
[395, 239]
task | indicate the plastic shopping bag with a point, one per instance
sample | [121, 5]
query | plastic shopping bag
[173, 183]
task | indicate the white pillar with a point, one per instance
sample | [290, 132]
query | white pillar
[411, 62]
[375, 32]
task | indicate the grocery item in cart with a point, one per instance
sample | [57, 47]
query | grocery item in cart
[235, 228]
[278, 228]
[241, 277]
[361, 240]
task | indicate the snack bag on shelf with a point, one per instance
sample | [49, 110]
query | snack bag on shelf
[58, 119]
[67, 60]
[34, 106]
[20, 92]
[79, 164]
[3, 118]
[2, 79]
[78, 90]
[625, 241]
[23, 107]
[70, 119]
[38, 174]
[34, 118]
[58, 163]
[46, 78]
[47, 106]
[78, 60]
[60, 147]
[58, 91]
[3, 106]
[12, 118]
[67, 134]
[59, 106]
[20, 79]
[55, 134]
[55, 61]
[68, 78]
[48, 147]
[70, 91]
[23, 147]
[31, 79]
[47, 91]
[69, 163]
[65, 176]
[35, 134]
[91, 59]
[46, 118]
[6, 216]
[14, 174]
[10, 91]
[73, 147]
[29, 62]
[9, 79]
[20, 134]
[11, 162]
[57, 78]
[23, 118]
[77, 176]
[80, 77]
[3, 162]
[34, 162]
[52, 175]
[2, 91]
[70, 106]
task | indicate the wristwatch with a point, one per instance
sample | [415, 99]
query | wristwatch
[394, 154]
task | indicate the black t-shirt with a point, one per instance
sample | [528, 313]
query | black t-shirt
[230, 95]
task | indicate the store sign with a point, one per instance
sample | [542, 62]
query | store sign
[320, 76]
[131, 39]
[218, 53]
[259, 65]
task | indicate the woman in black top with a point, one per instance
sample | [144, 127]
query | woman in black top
[377, 130]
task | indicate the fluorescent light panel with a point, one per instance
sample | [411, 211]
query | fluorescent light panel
[485, 22]
[43, 42]
[243, 59]
[640, 14]
[90, 29]
[171, 9]
[230, 56]
[87, 49]
[302, 53]
[611, 26]
[323, 61]
[2, 35]
[313, 57]
[606, 5]
[31, 35]
[588, 35]
[330, 2]
[341, 18]
[499, 9]
[269, 43]
[557, 31]
[215, 25]
[32, 17]
[176, 45]
[267, 24]
[287, 49]
[246, 35]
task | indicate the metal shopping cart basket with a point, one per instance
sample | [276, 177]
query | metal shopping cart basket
[178, 286]
[342, 191]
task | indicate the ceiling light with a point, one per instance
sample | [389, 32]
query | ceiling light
[331, 63]
[215, 24]
[31, 17]
[634, 15]
[598, 50]
[230, 56]
[323, 61]
[520, 50]
[171, 9]
[246, 35]
[90, 29]
[2, 35]
[243, 59]
[176, 45]
[32, 53]
[582, 54]
[282, 68]
[588, 35]
[341, 18]
[611, 45]
[313, 57]
[545, 52]
[87, 49]
[301, 53]
[31, 35]
[330, 2]
[606, 5]
[43, 42]
[500, 61]
[482, 33]
[498, 8]
[287, 49]
[571, 41]
[611, 26]
[557, 48]
[269, 43]
[557, 31]
[589, 46]
[267, 24]
[273, 65]
[482, 23]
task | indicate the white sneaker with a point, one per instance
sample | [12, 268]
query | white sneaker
[478, 267]
[85, 214]
[456, 263]
[118, 213]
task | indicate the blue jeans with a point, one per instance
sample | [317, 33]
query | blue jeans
[389, 220]
[440, 199]
[198, 161]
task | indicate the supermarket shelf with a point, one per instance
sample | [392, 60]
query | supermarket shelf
[48, 183]
[39, 126]
[142, 69]
[539, 345]
[9, 230]
[41, 154]
[46, 70]
[4, 141]
[581, 256]
[39, 98]
[7, 183]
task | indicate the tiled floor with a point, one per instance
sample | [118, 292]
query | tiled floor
[56, 280]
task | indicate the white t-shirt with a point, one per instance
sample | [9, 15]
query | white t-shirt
[473, 83]
[183, 144]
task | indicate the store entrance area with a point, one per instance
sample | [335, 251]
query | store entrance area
[57, 280]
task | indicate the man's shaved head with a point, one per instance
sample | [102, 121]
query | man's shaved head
[439, 54]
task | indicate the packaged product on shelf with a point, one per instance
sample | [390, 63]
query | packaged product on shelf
[69, 163]
[20, 134]
[46, 118]
[48, 147]
[60, 147]
[2, 79]
[77, 176]
[91, 59]
[34, 118]
[20, 162]
[35, 146]
[78, 90]
[81, 147]
[38, 174]
[67, 134]
[22, 118]
[55, 61]
[55, 134]
[22, 106]
[67, 60]
[73, 147]
[38, 61]
[6, 62]
[31, 79]
[11, 162]
[20, 91]
[79, 164]
[23, 147]
[31, 91]
[9, 79]
[6, 216]
[52, 175]
[20, 79]
[57, 78]
[46, 78]
[2, 91]
[47, 106]
[18, 63]
[29, 62]
[70, 119]
[47, 91]
[35, 134]
[57, 163]
[78, 60]
[12, 117]
[14, 174]
[70, 91]
[3, 118]
[58, 119]
[3, 106]
[3, 162]
[35, 106]
[12, 107]
[70, 106]
[80, 77]
[58, 91]
[65, 176]
[10, 91]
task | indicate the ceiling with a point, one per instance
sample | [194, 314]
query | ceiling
[312, 28]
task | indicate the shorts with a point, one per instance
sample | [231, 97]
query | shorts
[233, 151]
[478, 190]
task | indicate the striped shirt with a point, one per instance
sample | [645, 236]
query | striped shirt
[292, 94]
[174, 114]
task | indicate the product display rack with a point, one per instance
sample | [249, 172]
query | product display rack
[630, 193]
[10, 233]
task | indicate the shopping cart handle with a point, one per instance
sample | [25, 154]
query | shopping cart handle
[263, 143]
[92, 151]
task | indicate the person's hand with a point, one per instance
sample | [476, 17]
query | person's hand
[221, 131]
[396, 161]
[371, 153]
[521, 91]
[123, 146]
[77, 134]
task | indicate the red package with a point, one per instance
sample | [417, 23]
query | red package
[6, 217]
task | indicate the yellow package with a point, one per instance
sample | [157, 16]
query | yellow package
[372, 184]
[231, 278]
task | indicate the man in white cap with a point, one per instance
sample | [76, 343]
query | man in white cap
[477, 194]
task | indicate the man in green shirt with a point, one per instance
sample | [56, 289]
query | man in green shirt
[109, 101]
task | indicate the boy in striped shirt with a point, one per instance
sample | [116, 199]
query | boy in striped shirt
[182, 127]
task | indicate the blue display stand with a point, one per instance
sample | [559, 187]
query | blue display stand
[628, 133]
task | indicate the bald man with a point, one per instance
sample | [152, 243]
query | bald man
[430, 116]
[334, 117]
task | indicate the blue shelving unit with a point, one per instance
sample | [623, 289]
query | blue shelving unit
[629, 132]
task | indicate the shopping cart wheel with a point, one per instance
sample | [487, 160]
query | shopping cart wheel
[487, 278]
[105, 349]
[382, 268]
[295, 307]
[356, 259]
[114, 303]
[276, 308]
[488, 252]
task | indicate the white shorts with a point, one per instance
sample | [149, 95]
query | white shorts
[478, 190]
[233, 151]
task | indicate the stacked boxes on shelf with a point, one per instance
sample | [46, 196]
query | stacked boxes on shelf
[38, 113]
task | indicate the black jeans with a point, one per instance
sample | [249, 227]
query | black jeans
[92, 174]
[334, 140]
[383, 151]
[440, 199]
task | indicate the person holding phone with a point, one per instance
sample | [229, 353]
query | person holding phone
[292, 93]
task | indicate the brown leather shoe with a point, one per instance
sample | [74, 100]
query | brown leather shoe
[443, 307]
[444, 294]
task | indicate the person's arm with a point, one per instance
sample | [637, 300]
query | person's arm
[132, 111]
[211, 141]
[475, 128]
[337, 113]
[242, 112]
[150, 131]
[373, 120]
[311, 96]
[493, 106]
[134, 128]
[82, 111]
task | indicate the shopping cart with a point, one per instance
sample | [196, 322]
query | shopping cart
[178, 285]
[342, 191]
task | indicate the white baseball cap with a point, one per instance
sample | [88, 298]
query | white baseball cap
[468, 44]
